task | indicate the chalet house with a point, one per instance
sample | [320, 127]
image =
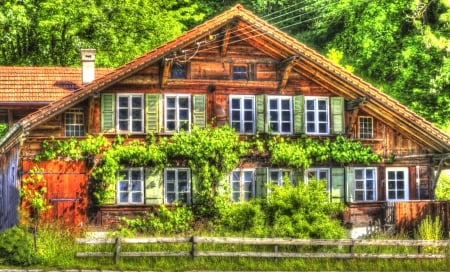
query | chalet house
[234, 69]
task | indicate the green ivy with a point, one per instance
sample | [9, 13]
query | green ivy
[211, 153]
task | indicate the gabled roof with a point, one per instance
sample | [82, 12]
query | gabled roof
[39, 85]
[280, 46]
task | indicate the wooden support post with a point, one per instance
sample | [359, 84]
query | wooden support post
[420, 249]
[275, 249]
[194, 247]
[117, 251]
[351, 248]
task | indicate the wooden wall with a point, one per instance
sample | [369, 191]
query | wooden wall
[67, 190]
[9, 188]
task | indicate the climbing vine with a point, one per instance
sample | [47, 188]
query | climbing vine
[209, 152]
[33, 190]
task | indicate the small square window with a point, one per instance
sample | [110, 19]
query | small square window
[240, 72]
[365, 127]
[178, 70]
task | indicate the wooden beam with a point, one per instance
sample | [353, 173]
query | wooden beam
[226, 40]
[286, 67]
[167, 63]
[353, 120]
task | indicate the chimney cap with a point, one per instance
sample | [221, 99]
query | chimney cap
[87, 54]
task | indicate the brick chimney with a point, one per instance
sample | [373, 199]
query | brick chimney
[87, 65]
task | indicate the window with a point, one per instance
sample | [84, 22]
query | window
[318, 174]
[279, 176]
[280, 114]
[397, 184]
[178, 70]
[365, 127]
[177, 112]
[365, 184]
[130, 186]
[242, 184]
[130, 112]
[74, 119]
[242, 114]
[177, 184]
[316, 115]
[240, 72]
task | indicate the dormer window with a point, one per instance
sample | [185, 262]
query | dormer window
[178, 71]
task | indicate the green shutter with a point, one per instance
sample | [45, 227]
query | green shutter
[298, 176]
[350, 184]
[153, 187]
[194, 187]
[199, 112]
[337, 115]
[110, 197]
[260, 113]
[262, 176]
[337, 184]
[299, 116]
[107, 112]
[152, 112]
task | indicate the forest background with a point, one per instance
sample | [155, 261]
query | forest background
[402, 47]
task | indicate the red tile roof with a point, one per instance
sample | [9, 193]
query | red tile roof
[22, 85]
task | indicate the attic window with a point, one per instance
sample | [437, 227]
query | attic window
[365, 127]
[178, 70]
[240, 72]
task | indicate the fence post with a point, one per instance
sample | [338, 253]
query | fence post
[194, 247]
[117, 251]
[351, 249]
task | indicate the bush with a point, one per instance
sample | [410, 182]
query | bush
[430, 229]
[177, 220]
[16, 248]
[247, 217]
[303, 211]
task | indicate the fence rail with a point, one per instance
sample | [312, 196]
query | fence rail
[194, 241]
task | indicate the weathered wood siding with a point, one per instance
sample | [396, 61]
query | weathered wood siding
[408, 215]
[66, 190]
[9, 188]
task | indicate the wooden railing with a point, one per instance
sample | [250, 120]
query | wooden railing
[275, 243]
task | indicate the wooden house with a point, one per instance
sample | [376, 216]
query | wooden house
[234, 69]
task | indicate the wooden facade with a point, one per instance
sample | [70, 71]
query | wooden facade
[233, 65]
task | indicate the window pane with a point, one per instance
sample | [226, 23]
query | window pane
[170, 101]
[137, 197]
[123, 102]
[273, 104]
[285, 104]
[235, 103]
[310, 105]
[123, 197]
[123, 185]
[322, 104]
[183, 102]
[136, 102]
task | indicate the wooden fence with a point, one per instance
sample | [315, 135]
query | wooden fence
[343, 248]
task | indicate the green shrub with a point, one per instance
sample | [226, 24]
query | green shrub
[16, 248]
[247, 216]
[3, 129]
[303, 211]
[177, 220]
[430, 229]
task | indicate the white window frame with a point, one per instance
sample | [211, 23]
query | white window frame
[73, 128]
[365, 130]
[392, 183]
[279, 111]
[364, 182]
[177, 110]
[318, 171]
[280, 172]
[244, 195]
[316, 112]
[130, 191]
[242, 113]
[177, 190]
[130, 118]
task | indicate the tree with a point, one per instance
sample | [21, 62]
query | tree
[51, 32]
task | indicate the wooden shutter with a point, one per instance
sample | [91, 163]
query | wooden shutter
[298, 177]
[152, 105]
[107, 112]
[262, 177]
[199, 110]
[110, 198]
[350, 184]
[260, 113]
[337, 115]
[153, 187]
[299, 114]
[337, 185]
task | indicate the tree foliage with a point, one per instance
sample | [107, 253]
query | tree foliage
[51, 32]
